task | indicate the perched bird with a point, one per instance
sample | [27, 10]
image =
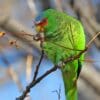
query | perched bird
[63, 37]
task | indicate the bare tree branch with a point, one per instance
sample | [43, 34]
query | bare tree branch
[58, 93]
[33, 83]
[15, 28]
[37, 67]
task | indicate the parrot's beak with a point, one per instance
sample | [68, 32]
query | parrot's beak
[40, 33]
[39, 28]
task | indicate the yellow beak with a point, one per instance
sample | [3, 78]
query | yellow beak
[39, 29]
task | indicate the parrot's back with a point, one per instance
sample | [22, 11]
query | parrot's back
[64, 36]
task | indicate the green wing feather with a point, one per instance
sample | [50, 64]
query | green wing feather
[68, 32]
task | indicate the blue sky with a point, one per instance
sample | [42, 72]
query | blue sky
[42, 90]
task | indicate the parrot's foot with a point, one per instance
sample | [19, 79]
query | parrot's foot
[60, 64]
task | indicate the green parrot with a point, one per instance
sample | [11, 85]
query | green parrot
[62, 37]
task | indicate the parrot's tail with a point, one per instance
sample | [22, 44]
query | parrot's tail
[70, 87]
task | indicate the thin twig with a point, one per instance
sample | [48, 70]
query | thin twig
[58, 93]
[76, 56]
[83, 51]
[33, 83]
[37, 67]
[97, 34]
[15, 29]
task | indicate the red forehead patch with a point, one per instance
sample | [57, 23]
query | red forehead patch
[43, 23]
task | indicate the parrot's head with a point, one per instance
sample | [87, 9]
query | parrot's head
[46, 24]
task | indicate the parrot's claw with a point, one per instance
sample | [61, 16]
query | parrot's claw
[61, 63]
